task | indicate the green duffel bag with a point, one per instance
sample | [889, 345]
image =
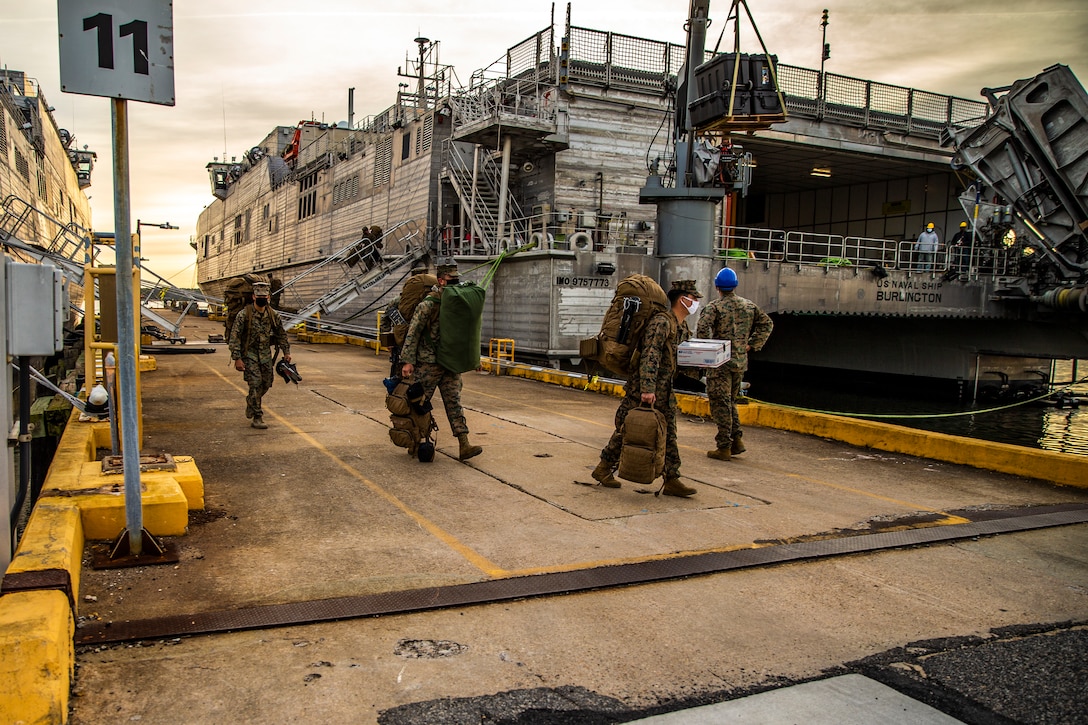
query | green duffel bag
[459, 320]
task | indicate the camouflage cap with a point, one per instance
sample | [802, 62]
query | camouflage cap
[450, 269]
[687, 286]
[261, 289]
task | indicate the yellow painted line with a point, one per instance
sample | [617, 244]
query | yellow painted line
[480, 562]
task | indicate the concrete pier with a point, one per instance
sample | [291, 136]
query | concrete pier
[963, 590]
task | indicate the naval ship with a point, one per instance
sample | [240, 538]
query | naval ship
[44, 210]
[581, 156]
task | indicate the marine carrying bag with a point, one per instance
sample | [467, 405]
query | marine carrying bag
[637, 299]
[642, 458]
[459, 326]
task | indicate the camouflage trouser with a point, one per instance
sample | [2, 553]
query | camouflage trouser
[433, 376]
[722, 389]
[611, 452]
[259, 378]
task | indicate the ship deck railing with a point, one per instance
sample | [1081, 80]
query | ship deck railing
[833, 250]
[615, 60]
[549, 230]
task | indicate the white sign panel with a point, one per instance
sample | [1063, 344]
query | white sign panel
[117, 48]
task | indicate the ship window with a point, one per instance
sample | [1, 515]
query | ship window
[307, 205]
[22, 165]
[383, 162]
[266, 211]
[405, 145]
[428, 133]
[272, 225]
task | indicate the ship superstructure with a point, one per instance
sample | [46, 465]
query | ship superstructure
[543, 159]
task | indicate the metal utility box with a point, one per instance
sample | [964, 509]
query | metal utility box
[753, 95]
[35, 309]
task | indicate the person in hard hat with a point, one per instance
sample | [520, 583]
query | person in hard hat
[257, 330]
[419, 358]
[961, 244]
[652, 384]
[926, 247]
[733, 318]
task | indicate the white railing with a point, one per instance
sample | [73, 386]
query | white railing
[833, 250]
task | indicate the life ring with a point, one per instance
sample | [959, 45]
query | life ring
[539, 239]
[505, 244]
[581, 240]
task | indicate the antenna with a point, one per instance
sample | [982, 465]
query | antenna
[223, 97]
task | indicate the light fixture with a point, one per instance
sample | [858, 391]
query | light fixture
[822, 172]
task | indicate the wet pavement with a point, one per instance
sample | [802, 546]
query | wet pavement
[322, 508]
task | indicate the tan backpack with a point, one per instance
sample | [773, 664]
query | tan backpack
[637, 299]
[642, 458]
[413, 292]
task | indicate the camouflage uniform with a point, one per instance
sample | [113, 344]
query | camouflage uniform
[255, 332]
[421, 350]
[741, 322]
[656, 371]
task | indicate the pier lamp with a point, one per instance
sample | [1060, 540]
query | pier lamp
[164, 225]
[139, 225]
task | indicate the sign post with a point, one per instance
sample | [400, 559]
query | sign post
[124, 51]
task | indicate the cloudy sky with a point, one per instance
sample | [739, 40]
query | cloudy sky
[242, 67]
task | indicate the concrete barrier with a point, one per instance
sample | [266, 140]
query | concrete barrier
[39, 594]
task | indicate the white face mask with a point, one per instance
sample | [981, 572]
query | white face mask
[693, 308]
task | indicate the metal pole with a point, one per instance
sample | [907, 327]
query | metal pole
[823, 56]
[126, 333]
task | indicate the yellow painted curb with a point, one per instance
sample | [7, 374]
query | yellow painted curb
[1061, 468]
[37, 657]
[53, 539]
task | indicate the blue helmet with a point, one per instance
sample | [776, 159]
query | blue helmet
[726, 279]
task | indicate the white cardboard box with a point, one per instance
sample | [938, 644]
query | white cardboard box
[703, 353]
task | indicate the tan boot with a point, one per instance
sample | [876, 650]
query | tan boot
[467, 449]
[737, 447]
[722, 454]
[673, 487]
[603, 475]
[258, 422]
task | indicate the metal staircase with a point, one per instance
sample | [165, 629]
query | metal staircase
[70, 241]
[476, 178]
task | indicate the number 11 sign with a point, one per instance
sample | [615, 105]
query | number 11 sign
[117, 48]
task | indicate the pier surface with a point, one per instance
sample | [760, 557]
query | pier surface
[333, 578]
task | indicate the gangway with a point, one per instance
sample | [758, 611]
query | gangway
[71, 249]
[68, 243]
[367, 253]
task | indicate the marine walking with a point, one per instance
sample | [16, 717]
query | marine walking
[653, 370]
[747, 328]
[419, 360]
[257, 331]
